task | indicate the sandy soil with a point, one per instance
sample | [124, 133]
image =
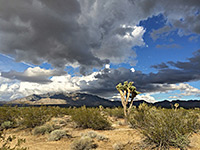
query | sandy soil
[119, 134]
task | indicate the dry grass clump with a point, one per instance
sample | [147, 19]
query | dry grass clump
[57, 135]
[94, 135]
[118, 146]
[165, 128]
[90, 134]
[83, 143]
[46, 128]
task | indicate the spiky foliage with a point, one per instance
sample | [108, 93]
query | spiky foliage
[165, 128]
[127, 90]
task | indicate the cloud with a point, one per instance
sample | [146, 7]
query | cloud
[164, 31]
[69, 32]
[103, 82]
[11, 89]
[174, 97]
[193, 38]
[146, 97]
[168, 46]
[165, 79]
[132, 69]
[186, 90]
[186, 71]
[160, 66]
[107, 66]
[86, 33]
[36, 74]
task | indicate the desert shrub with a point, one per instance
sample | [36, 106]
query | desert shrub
[58, 123]
[115, 112]
[90, 118]
[84, 143]
[34, 116]
[93, 135]
[46, 128]
[101, 138]
[90, 134]
[6, 142]
[30, 117]
[118, 146]
[165, 127]
[6, 125]
[8, 114]
[57, 135]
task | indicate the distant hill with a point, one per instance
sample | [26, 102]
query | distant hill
[66, 99]
[89, 100]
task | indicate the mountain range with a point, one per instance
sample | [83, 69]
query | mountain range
[89, 100]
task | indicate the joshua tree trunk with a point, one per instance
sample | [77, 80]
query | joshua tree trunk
[127, 91]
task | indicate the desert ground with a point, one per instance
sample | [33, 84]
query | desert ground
[120, 134]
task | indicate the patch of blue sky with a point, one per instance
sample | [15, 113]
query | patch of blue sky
[8, 63]
[171, 47]
[166, 95]
[174, 95]
[46, 65]
[195, 84]
[72, 71]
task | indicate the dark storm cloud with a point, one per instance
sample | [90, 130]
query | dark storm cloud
[48, 30]
[86, 33]
[179, 14]
[160, 66]
[152, 82]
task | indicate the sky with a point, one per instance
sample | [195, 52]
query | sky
[92, 45]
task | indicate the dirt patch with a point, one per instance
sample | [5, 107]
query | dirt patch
[120, 134]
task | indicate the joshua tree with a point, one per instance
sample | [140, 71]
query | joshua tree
[127, 91]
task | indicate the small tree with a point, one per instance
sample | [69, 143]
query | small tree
[127, 91]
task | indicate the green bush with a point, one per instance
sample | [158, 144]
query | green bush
[34, 116]
[90, 118]
[117, 112]
[57, 135]
[30, 117]
[84, 143]
[6, 125]
[8, 114]
[165, 127]
[46, 128]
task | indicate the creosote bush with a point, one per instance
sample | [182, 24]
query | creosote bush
[46, 128]
[30, 117]
[57, 135]
[118, 146]
[8, 114]
[94, 135]
[165, 127]
[84, 143]
[90, 118]
[6, 125]
[117, 112]
[90, 134]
